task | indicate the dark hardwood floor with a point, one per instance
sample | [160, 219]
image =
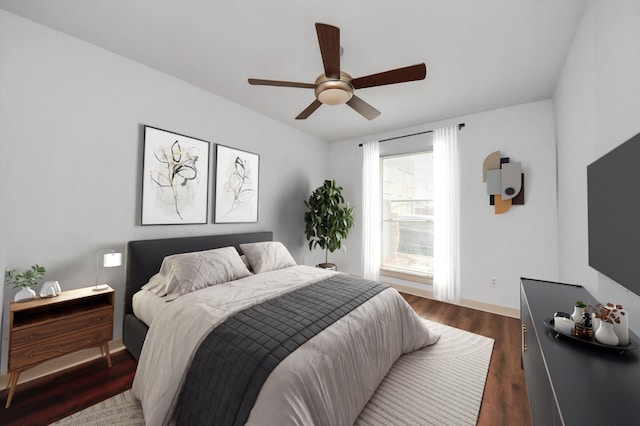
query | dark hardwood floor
[505, 395]
[48, 399]
[56, 396]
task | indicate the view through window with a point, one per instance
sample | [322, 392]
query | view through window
[407, 213]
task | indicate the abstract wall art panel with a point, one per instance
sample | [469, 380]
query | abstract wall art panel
[175, 179]
[492, 162]
[237, 174]
[504, 180]
[500, 205]
[494, 182]
[511, 180]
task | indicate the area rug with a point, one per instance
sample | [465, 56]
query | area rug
[438, 385]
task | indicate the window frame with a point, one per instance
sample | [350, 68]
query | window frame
[388, 270]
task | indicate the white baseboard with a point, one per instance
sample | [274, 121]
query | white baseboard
[481, 306]
[62, 363]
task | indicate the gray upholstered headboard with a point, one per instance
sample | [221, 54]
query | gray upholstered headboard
[144, 257]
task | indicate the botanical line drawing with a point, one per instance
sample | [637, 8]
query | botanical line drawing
[179, 170]
[240, 184]
[237, 176]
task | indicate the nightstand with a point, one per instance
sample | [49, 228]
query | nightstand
[43, 329]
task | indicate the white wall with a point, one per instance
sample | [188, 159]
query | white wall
[597, 107]
[518, 243]
[71, 116]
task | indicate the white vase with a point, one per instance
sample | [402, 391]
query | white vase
[622, 329]
[25, 293]
[577, 314]
[595, 322]
[606, 335]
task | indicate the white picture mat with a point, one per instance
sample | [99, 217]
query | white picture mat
[237, 175]
[185, 199]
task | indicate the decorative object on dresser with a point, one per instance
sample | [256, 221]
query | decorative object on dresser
[175, 178]
[50, 289]
[563, 376]
[110, 259]
[24, 281]
[237, 178]
[327, 220]
[618, 319]
[43, 329]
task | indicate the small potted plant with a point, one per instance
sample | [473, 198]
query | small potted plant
[24, 281]
[328, 220]
[578, 311]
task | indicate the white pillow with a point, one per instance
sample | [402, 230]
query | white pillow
[267, 256]
[186, 272]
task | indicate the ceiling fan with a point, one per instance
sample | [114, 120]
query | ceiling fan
[336, 87]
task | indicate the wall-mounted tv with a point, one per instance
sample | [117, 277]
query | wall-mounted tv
[614, 214]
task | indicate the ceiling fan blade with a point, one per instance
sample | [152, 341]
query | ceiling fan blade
[366, 110]
[309, 110]
[400, 75]
[329, 41]
[260, 82]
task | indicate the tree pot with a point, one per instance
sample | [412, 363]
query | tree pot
[330, 266]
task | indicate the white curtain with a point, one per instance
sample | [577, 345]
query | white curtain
[446, 262]
[371, 238]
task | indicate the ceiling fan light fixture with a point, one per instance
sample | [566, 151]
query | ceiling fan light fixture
[334, 91]
[334, 96]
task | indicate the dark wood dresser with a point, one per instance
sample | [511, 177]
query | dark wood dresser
[571, 382]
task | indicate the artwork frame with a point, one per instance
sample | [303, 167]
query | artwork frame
[237, 185]
[175, 178]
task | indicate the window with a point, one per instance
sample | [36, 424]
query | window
[407, 214]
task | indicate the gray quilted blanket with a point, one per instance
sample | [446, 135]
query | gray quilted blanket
[235, 359]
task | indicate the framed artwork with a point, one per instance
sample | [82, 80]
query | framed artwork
[237, 174]
[175, 179]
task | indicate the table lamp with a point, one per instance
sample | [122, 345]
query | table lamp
[110, 259]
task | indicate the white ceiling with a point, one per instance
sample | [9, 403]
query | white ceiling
[480, 54]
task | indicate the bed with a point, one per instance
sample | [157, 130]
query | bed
[143, 260]
[324, 371]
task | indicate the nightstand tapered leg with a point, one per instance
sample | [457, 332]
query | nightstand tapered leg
[105, 350]
[13, 381]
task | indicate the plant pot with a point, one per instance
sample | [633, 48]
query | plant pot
[25, 294]
[606, 335]
[330, 266]
[577, 314]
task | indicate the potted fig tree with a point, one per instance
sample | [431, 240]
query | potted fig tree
[327, 220]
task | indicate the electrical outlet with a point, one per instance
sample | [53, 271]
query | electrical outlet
[493, 282]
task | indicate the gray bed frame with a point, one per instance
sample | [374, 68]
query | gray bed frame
[144, 258]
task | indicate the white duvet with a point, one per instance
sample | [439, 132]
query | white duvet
[327, 381]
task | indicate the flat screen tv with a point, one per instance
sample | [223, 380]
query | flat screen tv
[613, 183]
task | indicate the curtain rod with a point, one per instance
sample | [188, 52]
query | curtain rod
[460, 126]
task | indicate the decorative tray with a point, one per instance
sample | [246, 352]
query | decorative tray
[549, 322]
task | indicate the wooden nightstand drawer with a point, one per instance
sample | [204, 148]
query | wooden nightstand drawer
[59, 345]
[32, 334]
